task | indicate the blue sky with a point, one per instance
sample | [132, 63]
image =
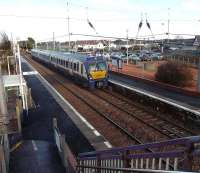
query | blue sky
[110, 17]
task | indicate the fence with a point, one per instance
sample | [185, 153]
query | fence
[168, 156]
[66, 155]
[192, 61]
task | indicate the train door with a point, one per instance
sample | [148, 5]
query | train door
[70, 67]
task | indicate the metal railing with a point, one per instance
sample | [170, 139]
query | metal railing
[67, 157]
[181, 154]
[4, 154]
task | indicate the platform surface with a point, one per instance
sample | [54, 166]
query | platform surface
[172, 96]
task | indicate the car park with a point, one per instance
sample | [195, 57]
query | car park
[156, 56]
[144, 57]
[134, 57]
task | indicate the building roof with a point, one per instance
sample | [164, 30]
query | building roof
[197, 41]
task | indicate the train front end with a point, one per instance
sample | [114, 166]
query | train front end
[97, 72]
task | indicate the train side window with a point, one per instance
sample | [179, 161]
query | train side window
[66, 63]
[70, 64]
[81, 68]
[74, 67]
[77, 66]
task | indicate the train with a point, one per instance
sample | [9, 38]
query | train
[89, 71]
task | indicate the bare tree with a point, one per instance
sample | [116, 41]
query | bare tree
[5, 43]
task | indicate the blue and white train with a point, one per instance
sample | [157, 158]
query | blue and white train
[91, 71]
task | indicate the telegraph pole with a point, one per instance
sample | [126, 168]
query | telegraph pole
[68, 24]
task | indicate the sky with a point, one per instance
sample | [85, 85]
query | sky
[39, 19]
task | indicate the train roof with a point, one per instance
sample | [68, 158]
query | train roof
[69, 55]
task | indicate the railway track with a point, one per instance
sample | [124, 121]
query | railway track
[64, 86]
[148, 117]
[120, 113]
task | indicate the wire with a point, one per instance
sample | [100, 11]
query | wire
[112, 37]
[97, 20]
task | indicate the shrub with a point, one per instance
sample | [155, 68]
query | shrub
[174, 73]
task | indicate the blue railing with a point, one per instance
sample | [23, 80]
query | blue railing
[181, 154]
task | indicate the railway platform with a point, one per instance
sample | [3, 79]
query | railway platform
[183, 101]
[36, 147]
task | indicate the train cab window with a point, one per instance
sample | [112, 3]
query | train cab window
[81, 68]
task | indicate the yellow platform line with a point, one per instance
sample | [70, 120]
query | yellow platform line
[16, 146]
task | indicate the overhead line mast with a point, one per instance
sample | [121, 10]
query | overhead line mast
[68, 24]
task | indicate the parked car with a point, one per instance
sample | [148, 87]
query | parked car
[118, 54]
[134, 57]
[156, 56]
[144, 57]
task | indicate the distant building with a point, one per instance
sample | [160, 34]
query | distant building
[197, 41]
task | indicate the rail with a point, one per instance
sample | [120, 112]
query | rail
[182, 153]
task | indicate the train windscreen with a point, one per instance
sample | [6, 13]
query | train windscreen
[100, 66]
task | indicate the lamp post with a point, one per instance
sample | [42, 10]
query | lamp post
[168, 23]
[127, 45]
[162, 47]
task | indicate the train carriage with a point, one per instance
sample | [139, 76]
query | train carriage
[91, 71]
